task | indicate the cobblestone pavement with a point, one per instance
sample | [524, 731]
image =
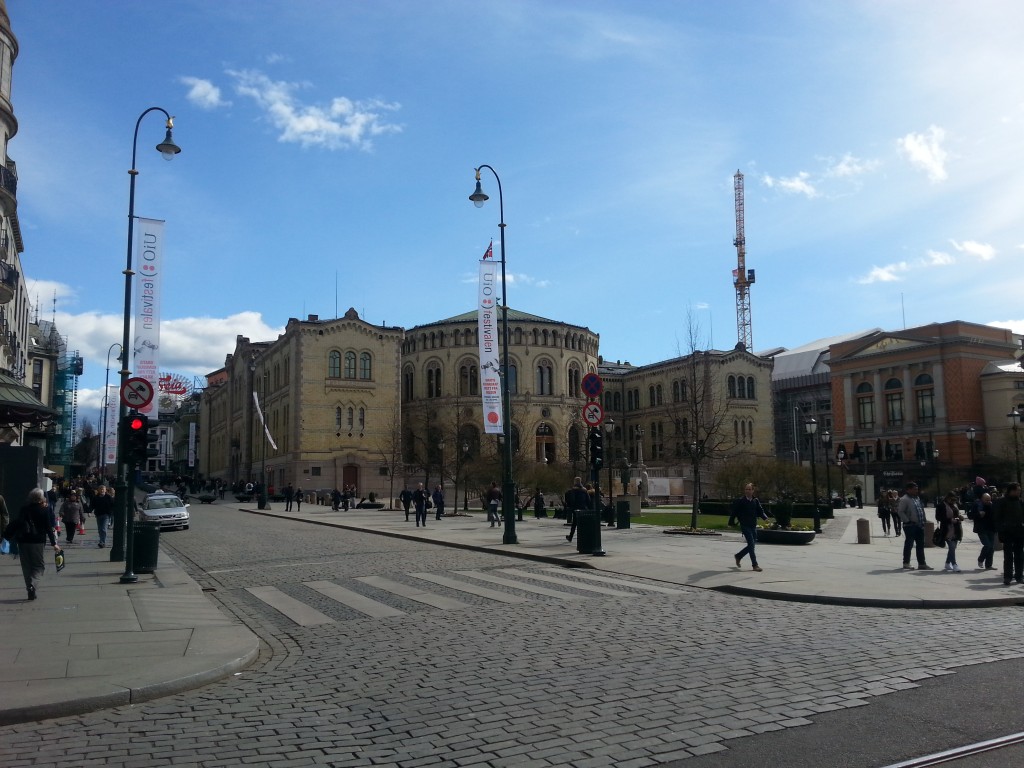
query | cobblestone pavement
[569, 677]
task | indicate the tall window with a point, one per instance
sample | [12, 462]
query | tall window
[732, 386]
[894, 402]
[675, 391]
[408, 384]
[365, 366]
[544, 375]
[334, 364]
[575, 376]
[650, 396]
[469, 380]
[659, 395]
[513, 379]
[351, 418]
[434, 380]
[741, 388]
[924, 394]
[362, 419]
[750, 388]
[350, 365]
[337, 418]
[865, 406]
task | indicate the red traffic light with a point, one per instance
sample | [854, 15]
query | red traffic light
[136, 423]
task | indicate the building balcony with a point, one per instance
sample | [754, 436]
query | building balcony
[8, 190]
[8, 282]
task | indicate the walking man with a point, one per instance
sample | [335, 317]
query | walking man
[910, 511]
[492, 497]
[420, 498]
[576, 499]
[746, 510]
[985, 526]
[406, 498]
[103, 508]
[289, 495]
[1009, 512]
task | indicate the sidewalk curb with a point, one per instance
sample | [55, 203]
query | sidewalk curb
[867, 602]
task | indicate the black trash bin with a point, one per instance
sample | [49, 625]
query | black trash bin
[588, 532]
[621, 514]
[145, 546]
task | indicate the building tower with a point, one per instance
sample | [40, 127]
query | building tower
[742, 278]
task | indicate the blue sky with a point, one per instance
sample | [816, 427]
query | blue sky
[328, 150]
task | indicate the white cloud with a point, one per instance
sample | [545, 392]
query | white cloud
[702, 305]
[924, 151]
[848, 166]
[939, 258]
[341, 124]
[983, 251]
[887, 274]
[798, 184]
[1017, 326]
[203, 93]
[43, 292]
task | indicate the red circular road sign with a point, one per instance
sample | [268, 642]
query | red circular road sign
[592, 385]
[136, 393]
[593, 414]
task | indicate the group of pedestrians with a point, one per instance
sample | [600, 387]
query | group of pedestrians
[420, 501]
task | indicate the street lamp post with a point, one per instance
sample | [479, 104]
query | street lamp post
[465, 479]
[1014, 417]
[440, 447]
[122, 546]
[609, 428]
[508, 488]
[970, 433]
[826, 438]
[695, 506]
[106, 404]
[841, 457]
[811, 426]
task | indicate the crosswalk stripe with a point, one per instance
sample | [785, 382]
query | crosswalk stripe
[584, 574]
[473, 589]
[413, 593]
[564, 583]
[296, 610]
[519, 585]
[354, 600]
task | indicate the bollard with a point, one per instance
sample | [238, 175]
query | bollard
[929, 531]
[863, 531]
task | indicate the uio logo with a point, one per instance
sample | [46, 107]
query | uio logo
[492, 417]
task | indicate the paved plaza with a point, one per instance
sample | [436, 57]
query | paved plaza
[388, 650]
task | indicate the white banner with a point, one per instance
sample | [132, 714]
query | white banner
[110, 438]
[266, 429]
[149, 246]
[490, 378]
[192, 444]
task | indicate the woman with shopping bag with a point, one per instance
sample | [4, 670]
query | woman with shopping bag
[73, 517]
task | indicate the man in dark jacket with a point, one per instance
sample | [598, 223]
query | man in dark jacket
[983, 514]
[576, 499]
[406, 498]
[31, 530]
[746, 510]
[1009, 515]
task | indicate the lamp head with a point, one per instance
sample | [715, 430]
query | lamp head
[167, 148]
[479, 197]
[811, 426]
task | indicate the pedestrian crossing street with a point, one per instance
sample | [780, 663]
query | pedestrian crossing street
[526, 584]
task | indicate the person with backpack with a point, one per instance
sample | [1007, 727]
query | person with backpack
[983, 515]
[30, 530]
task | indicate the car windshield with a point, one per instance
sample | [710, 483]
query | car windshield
[166, 502]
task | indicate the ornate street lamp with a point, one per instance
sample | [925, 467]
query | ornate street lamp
[811, 427]
[970, 433]
[122, 547]
[841, 458]
[465, 479]
[508, 488]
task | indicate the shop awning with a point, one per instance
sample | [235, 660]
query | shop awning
[19, 405]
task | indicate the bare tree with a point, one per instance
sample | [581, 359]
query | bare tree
[390, 449]
[700, 418]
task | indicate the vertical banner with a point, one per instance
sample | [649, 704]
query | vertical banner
[149, 246]
[192, 445]
[490, 378]
[113, 402]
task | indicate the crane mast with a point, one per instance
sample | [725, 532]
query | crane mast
[741, 278]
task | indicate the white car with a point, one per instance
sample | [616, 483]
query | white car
[166, 509]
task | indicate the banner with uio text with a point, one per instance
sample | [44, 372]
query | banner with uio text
[487, 320]
[149, 248]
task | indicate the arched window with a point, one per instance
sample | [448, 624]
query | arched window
[362, 419]
[334, 364]
[434, 380]
[408, 384]
[469, 380]
[513, 379]
[546, 337]
[337, 418]
[732, 386]
[736, 431]
[365, 366]
[894, 402]
[750, 431]
[458, 338]
[351, 418]
[617, 401]
[650, 396]
[575, 376]
[350, 365]
[517, 335]
[750, 388]
[544, 378]
[741, 388]
[675, 391]
[658, 392]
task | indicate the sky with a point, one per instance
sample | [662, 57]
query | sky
[329, 146]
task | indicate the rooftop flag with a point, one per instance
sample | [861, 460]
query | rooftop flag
[489, 253]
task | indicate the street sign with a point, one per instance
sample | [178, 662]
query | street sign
[592, 385]
[136, 393]
[593, 414]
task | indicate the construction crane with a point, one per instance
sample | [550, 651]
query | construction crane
[742, 278]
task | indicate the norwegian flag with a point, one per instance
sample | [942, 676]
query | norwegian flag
[489, 253]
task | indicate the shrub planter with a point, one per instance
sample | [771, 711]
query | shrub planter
[370, 505]
[207, 498]
[779, 536]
